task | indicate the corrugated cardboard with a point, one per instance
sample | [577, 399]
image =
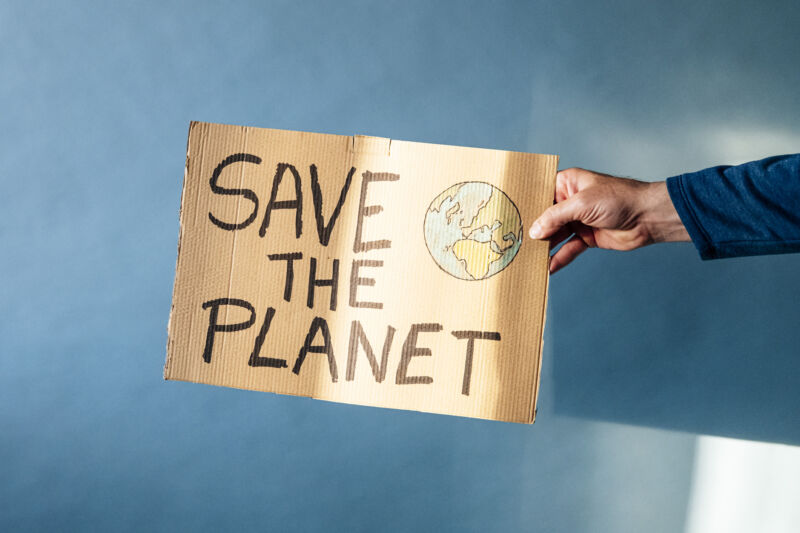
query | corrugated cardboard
[361, 270]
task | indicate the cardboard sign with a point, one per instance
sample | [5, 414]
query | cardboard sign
[361, 270]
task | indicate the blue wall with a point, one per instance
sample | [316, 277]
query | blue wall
[644, 351]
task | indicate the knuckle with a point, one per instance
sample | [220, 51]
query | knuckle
[581, 202]
[568, 173]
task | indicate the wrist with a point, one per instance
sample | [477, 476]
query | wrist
[659, 216]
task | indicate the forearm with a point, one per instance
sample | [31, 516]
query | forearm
[749, 209]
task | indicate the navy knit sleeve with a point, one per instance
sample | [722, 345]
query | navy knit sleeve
[749, 209]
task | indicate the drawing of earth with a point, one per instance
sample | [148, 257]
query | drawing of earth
[473, 230]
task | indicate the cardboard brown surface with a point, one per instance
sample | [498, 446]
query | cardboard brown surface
[439, 298]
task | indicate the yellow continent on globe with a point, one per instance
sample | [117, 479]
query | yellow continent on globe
[477, 256]
[496, 210]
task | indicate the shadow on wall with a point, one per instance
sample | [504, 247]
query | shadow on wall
[659, 338]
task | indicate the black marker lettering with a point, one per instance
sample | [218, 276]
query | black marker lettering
[313, 282]
[471, 336]
[296, 204]
[255, 359]
[357, 335]
[215, 327]
[318, 324]
[355, 281]
[289, 258]
[410, 349]
[323, 231]
[247, 193]
[369, 210]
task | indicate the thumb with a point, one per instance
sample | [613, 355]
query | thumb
[556, 217]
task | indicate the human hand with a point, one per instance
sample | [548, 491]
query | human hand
[602, 211]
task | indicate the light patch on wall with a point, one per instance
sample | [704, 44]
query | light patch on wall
[653, 153]
[736, 145]
[744, 486]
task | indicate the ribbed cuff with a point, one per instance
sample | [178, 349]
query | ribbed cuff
[683, 206]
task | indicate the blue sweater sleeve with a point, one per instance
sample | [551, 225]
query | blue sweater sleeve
[749, 209]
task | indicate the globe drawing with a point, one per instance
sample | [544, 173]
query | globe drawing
[473, 230]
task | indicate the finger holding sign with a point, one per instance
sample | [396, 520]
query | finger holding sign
[598, 210]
